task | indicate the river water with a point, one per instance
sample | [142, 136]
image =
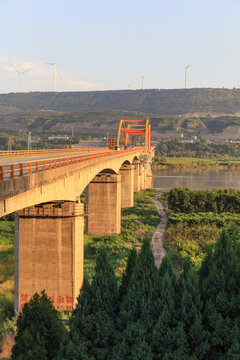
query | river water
[208, 179]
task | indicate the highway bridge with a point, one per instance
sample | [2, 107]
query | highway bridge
[43, 189]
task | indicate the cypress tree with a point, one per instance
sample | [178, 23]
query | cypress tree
[139, 309]
[132, 258]
[92, 326]
[39, 330]
[234, 352]
[168, 334]
[190, 313]
[219, 280]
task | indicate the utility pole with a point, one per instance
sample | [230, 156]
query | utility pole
[9, 143]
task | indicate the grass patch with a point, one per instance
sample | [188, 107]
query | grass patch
[137, 222]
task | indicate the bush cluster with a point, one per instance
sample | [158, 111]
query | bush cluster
[184, 200]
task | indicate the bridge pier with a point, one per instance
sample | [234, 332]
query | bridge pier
[127, 185]
[149, 178]
[137, 178]
[142, 177]
[104, 204]
[49, 241]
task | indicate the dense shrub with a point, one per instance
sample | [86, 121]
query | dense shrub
[188, 201]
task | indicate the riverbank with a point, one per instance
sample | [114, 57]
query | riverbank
[189, 163]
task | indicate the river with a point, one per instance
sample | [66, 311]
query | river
[208, 179]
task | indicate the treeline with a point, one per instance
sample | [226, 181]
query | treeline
[154, 315]
[184, 200]
[197, 149]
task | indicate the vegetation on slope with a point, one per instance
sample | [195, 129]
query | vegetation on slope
[176, 101]
[191, 111]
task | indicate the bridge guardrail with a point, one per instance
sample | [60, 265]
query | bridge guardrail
[8, 153]
[15, 170]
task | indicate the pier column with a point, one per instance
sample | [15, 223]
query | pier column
[127, 185]
[142, 177]
[137, 178]
[104, 205]
[49, 241]
[149, 178]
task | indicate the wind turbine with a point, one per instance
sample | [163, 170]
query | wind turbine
[20, 73]
[54, 65]
[186, 75]
[143, 80]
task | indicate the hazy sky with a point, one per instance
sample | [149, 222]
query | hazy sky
[106, 44]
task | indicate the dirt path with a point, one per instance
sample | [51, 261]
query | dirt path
[157, 240]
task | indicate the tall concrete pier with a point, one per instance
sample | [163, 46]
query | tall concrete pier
[127, 185]
[49, 242]
[104, 204]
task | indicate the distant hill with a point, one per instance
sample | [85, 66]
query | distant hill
[202, 112]
[165, 102]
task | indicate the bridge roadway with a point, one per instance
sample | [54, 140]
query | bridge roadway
[49, 229]
[17, 159]
[46, 178]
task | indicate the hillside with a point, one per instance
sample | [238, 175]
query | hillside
[202, 112]
[171, 102]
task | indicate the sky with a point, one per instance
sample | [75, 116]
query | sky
[108, 44]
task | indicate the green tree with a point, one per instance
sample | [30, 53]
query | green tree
[39, 330]
[139, 309]
[132, 258]
[190, 313]
[92, 326]
[219, 281]
[169, 337]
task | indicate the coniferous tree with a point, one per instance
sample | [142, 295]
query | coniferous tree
[168, 334]
[39, 330]
[92, 326]
[234, 352]
[219, 280]
[132, 258]
[190, 313]
[139, 309]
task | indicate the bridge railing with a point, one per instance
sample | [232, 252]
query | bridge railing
[15, 170]
[10, 153]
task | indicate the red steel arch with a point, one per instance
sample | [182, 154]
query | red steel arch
[135, 127]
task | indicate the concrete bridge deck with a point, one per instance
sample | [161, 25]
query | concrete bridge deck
[49, 229]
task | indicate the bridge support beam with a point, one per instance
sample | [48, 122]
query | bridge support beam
[104, 205]
[127, 185]
[137, 177]
[49, 242]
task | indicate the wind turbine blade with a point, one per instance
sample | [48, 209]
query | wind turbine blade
[19, 72]
[23, 72]
[50, 64]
